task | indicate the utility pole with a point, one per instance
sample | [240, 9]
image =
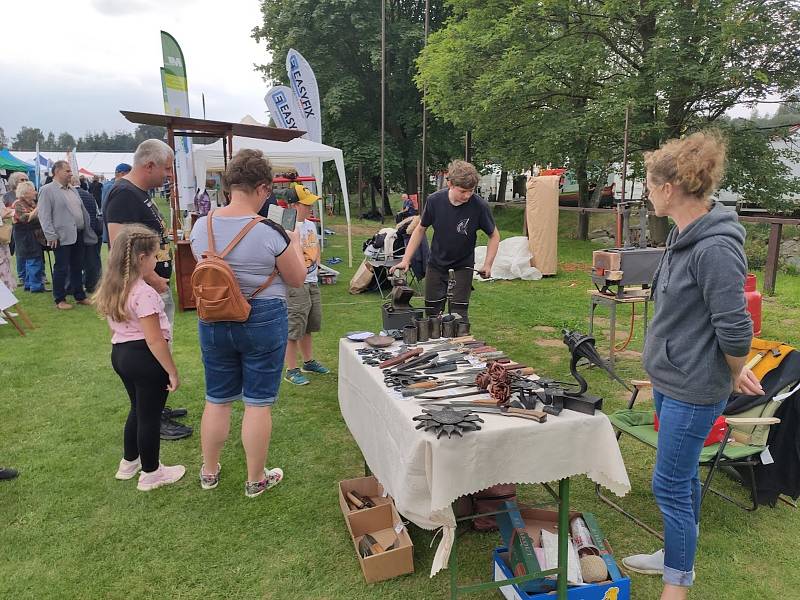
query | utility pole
[383, 103]
[421, 192]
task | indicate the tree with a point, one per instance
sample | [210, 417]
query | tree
[3, 139]
[27, 137]
[551, 79]
[757, 165]
[341, 41]
[65, 141]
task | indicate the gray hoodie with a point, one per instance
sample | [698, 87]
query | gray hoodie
[700, 310]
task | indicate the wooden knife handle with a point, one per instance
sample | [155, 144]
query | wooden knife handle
[535, 415]
[355, 501]
[462, 339]
[424, 385]
[524, 371]
[401, 358]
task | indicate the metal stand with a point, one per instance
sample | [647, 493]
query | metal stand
[563, 546]
[597, 298]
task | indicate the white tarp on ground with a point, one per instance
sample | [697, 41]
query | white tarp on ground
[99, 163]
[280, 154]
[513, 260]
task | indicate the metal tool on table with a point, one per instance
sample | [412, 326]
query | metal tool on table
[398, 312]
[506, 410]
[447, 421]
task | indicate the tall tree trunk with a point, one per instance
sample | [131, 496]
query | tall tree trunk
[501, 188]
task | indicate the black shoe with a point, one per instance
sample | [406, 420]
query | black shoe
[172, 430]
[173, 413]
[7, 473]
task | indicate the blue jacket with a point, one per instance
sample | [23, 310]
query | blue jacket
[700, 313]
[95, 220]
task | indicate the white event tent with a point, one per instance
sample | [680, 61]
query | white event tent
[296, 152]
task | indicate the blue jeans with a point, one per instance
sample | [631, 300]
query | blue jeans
[683, 429]
[245, 360]
[34, 273]
[69, 263]
[21, 271]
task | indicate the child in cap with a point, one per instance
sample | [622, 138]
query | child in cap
[304, 303]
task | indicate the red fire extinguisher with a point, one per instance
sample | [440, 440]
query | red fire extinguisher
[753, 298]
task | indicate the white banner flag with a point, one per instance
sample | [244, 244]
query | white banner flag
[304, 85]
[284, 108]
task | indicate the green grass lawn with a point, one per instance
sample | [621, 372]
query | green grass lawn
[68, 529]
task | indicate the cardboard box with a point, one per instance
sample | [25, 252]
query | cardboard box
[364, 486]
[536, 520]
[382, 522]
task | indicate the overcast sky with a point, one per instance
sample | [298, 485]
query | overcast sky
[71, 65]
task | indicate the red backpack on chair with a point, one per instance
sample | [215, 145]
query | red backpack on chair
[214, 284]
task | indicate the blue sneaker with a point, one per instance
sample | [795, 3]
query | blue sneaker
[313, 366]
[295, 377]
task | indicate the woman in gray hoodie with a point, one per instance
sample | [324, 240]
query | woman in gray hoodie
[697, 345]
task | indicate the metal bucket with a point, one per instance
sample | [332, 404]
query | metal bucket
[462, 328]
[436, 327]
[423, 329]
[449, 328]
[410, 335]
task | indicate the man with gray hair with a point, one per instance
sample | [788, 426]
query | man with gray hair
[67, 227]
[128, 202]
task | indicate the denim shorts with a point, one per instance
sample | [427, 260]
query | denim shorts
[245, 360]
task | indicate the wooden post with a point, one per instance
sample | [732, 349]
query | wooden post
[773, 253]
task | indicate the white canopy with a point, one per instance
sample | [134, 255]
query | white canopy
[281, 154]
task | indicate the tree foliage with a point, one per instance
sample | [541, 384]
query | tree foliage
[120, 141]
[341, 41]
[548, 80]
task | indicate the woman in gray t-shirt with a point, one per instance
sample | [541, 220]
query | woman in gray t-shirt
[245, 360]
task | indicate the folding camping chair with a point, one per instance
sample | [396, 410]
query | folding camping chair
[740, 452]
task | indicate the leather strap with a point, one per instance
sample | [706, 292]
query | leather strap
[266, 284]
[212, 251]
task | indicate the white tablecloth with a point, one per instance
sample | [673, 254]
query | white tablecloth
[425, 475]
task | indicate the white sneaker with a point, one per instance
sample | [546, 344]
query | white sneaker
[161, 476]
[646, 564]
[128, 469]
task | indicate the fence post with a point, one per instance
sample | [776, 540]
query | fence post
[773, 253]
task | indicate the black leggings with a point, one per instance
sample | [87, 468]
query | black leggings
[146, 383]
[436, 291]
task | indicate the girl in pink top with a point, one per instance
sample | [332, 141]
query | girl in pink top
[140, 352]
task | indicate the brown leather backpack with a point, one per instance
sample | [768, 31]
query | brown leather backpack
[214, 284]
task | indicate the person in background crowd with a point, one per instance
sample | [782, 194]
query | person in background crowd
[244, 361]
[140, 352]
[29, 238]
[697, 343]
[127, 203]
[6, 275]
[96, 189]
[92, 264]
[82, 183]
[8, 199]
[67, 227]
[13, 181]
[304, 303]
[121, 170]
[456, 214]
[202, 202]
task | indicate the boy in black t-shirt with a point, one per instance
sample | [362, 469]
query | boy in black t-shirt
[456, 214]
